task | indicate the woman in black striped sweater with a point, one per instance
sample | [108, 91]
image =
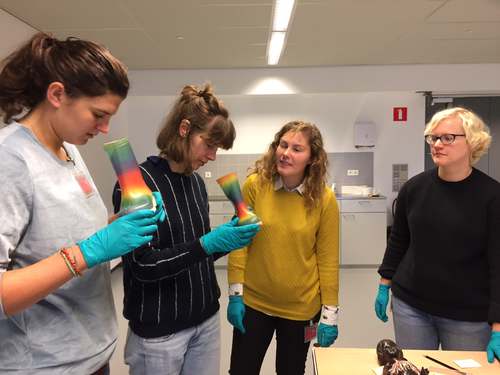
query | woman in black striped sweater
[171, 291]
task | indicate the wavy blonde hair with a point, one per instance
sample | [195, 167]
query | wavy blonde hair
[314, 174]
[476, 132]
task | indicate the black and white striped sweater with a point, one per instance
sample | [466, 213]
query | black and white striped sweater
[171, 285]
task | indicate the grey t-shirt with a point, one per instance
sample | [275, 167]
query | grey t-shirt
[46, 204]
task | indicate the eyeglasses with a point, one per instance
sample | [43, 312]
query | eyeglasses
[446, 139]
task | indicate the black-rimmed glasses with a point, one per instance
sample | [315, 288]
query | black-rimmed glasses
[446, 139]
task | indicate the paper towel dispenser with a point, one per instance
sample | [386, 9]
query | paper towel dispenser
[364, 134]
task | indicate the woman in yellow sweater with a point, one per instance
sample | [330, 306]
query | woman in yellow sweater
[287, 278]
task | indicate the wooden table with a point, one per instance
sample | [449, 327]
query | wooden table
[354, 361]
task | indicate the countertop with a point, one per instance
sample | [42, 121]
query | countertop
[346, 196]
[216, 198]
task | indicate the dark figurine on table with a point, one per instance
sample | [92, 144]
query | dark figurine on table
[391, 357]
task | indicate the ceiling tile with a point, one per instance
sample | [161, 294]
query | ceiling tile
[468, 11]
[156, 34]
[65, 14]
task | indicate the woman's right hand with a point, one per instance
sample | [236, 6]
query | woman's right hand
[236, 312]
[120, 237]
[228, 237]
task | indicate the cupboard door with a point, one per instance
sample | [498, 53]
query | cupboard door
[362, 238]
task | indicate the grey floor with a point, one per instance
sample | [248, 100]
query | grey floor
[358, 326]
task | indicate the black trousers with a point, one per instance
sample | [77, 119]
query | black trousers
[248, 350]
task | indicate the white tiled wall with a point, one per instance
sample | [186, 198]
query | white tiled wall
[339, 163]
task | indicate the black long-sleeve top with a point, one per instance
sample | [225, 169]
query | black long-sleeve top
[171, 285]
[443, 254]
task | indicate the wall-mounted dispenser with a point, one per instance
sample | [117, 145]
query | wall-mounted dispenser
[364, 134]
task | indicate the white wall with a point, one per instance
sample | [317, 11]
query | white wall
[333, 98]
[457, 77]
[13, 32]
[257, 118]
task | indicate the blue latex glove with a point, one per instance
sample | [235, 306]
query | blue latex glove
[121, 236]
[236, 312]
[228, 237]
[493, 348]
[382, 301]
[159, 206]
[326, 334]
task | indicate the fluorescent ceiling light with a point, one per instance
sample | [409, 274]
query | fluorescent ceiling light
[271, 86]
[282, 14]
[275, 47]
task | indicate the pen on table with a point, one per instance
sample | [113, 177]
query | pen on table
[444, 364]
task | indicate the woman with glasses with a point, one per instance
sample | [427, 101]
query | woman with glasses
[442, 260]
[171, 291]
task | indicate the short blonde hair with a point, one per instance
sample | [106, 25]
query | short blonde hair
[477, 134]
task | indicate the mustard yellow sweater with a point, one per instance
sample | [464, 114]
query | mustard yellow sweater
[291, 267]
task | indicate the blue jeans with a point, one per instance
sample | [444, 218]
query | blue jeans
[415, 329]
[192, 351]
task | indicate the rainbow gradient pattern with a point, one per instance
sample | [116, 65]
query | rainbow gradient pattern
[231, 188]
[136, 194]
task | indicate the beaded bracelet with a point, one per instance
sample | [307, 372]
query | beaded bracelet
[70, 262]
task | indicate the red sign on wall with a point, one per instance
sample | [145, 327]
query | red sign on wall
[400, 113]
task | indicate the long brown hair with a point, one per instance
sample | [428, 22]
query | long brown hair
[205, 113]
[314, 174]
[83, 67]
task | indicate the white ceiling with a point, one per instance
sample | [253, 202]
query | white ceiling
[163, 34]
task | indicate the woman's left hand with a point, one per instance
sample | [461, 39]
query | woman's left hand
[493, 348]
[160, 212]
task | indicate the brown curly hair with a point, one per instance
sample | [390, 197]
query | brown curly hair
[314, 174]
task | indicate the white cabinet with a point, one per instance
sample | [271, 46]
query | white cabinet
[221, 211]
[363, 231]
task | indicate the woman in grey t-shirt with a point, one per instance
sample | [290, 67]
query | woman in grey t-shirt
[56, 307]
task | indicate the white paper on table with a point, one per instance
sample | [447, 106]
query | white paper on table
[467, 363]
